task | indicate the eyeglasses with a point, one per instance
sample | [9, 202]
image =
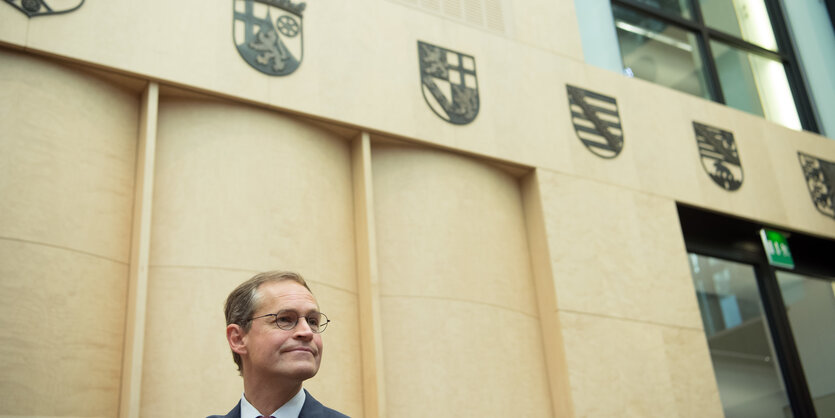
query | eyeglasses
[287, 320]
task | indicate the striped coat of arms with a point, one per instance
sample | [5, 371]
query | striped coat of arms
[596, 121]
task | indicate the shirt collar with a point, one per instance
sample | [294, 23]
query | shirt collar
[291, 409]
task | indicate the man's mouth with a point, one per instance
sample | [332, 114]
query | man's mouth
[300, 349]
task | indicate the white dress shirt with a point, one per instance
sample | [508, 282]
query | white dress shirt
[291, 409]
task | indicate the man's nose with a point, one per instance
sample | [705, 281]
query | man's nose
[303, 329]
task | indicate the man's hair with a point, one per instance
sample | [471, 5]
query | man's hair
[245, 300]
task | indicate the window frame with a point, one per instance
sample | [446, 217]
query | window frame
[830, 8]
[734, 239]
[785, 54]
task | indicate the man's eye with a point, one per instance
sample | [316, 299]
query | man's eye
[285, 319]
[314, 322]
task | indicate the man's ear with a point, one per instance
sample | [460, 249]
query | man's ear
[236, 337]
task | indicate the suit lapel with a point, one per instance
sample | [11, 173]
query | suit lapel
[235, 412]
[311, 408]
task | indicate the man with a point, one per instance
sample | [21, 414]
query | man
[273, 326]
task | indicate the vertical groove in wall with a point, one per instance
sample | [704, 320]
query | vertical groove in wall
[452, 8]
[494, 15]
[473, 12]
[487, 14]
[140, 248]
[368, 284]
[540, 253]
[433, 5]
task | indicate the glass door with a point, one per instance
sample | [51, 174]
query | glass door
[744, 361]
[810, 307]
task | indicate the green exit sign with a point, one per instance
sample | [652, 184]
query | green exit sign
[776, 248]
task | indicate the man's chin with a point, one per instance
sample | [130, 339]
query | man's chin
[300, 371]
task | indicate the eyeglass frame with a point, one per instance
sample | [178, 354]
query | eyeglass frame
[321, 327]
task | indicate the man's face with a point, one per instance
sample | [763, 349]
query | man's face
[276, 353]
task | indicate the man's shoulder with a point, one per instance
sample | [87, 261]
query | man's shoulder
[234, 413]
[314, 409]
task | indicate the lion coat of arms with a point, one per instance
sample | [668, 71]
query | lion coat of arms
[268, 34]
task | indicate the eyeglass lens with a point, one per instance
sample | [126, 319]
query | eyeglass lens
[287, 320]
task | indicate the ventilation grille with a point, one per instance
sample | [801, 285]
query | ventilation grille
[486, 14]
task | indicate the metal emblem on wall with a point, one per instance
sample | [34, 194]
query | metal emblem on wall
[719, 155]
[268, 34]
[596, 121]
[820, 178]
[45, 7]
[449, 84]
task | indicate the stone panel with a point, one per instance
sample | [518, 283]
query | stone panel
[446, 226]
[62, 314]
[460, 326]
[458, 358]
[632, 369]
[244, 188]
[616, 252]
[67, 157]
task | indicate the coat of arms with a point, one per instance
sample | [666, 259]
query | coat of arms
[820, 178]
[268, 34]
[719, 156]
[449, 84]
[45, 7]
[596, 121]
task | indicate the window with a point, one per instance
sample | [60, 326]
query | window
[731, 51]
[770, 330]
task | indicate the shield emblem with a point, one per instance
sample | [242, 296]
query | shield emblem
[33, 8]
[820, 178]
[268, 34]
[719, 155]
[448, 81]
[596, 121]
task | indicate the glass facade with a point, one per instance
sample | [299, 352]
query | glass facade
[723, 50]
[655, 51]
[755, 84]
[744, 19]
[682, 8]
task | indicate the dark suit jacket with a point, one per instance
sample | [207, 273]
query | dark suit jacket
[311, 409]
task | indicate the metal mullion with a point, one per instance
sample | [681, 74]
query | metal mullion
[788, 358]
[746, 46]
[715, 85]
[806, 272]
[727, 254]
[797, 85]
[659, 14]
[830, 8]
